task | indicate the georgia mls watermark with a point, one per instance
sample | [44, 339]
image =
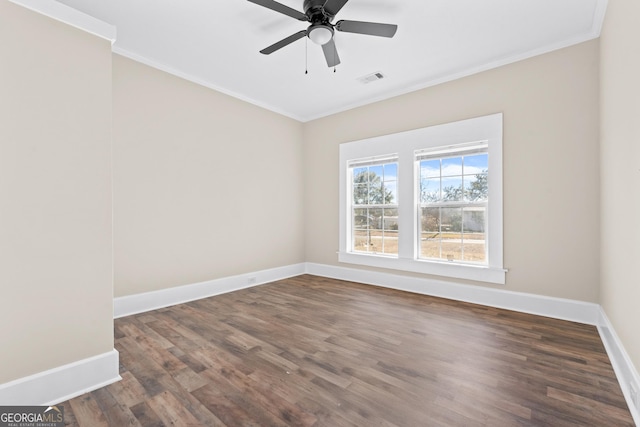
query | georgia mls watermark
[32, 416]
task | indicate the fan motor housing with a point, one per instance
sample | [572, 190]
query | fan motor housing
[314, 9]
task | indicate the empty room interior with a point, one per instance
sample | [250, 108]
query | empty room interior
[438, 225]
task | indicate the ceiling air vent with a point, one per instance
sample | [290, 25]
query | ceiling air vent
[371, 78]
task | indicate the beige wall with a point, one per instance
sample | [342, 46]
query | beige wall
[206, 186]
[620, 171]
[551, 179]
[55, 194]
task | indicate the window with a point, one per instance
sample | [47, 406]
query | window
[427, 200]
[453, 202]
[374, 208]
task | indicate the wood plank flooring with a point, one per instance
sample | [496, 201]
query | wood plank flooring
[310, 351]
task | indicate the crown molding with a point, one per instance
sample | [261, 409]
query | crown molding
[70, 16]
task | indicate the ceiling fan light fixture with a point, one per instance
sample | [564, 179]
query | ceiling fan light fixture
[320, 34]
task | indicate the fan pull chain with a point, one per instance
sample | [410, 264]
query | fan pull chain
[335, 53]
[306, 55]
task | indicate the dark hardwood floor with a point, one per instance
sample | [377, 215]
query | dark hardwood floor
[310, 351]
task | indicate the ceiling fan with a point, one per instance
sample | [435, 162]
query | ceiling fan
[320, 13]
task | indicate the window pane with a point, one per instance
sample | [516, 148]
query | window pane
[376, 192]
[360, 194]
[475, 250]
[361, 241]
[451, 248]
[375, 241]
[390, 222]
[451, 220]
[474, 237]
[390, 242]
[451, 237]
[391, 172]
[474, 220]
[390, 193]
[429, 246]
[452, 166]
[429, 190]
[430, 233]
[430, 169]
[360, 219]
[476, 187]
[375, 172]
[452, 189]
[430, 220]
[375, 219]
[359, 174]
[476, 164]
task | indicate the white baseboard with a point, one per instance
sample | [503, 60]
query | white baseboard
[566, 309]
[625, 371]
[558, 308]
[62, 383]
[140, 303]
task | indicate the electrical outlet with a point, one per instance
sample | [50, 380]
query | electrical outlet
[252, 280]
[633, 389]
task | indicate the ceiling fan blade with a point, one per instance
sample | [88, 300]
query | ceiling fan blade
[369, 28]
[284, 42]
[331, 53]
[332, 7]
[286, 10]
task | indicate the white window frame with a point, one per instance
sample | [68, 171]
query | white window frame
[440, 154]
[375, 161]
[405, 145]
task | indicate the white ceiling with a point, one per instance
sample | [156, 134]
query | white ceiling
[216, 43]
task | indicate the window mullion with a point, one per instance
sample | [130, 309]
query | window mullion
[406, 205]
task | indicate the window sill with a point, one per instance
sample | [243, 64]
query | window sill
[457, 271]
